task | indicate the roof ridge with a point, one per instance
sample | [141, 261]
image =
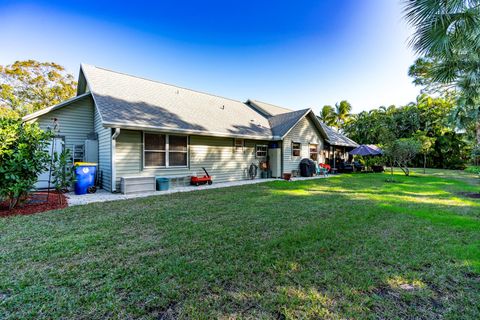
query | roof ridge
[274, 105]
[164, 83]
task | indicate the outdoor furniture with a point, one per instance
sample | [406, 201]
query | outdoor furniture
[325, 166]
[334, 170]
[358, 166]
[321, 170]
[345, 167]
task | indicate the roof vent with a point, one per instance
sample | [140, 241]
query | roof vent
[177, 92]
[222, 107]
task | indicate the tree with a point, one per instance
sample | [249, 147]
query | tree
[401, 152]
[336, 117]
[447, 35]
[28, 86]
[327, 115]
[342, 111]
[426, 145]
[23, 157]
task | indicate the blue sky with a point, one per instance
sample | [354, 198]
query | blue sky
[291, 53]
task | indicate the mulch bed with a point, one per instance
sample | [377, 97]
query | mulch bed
[475, 195]
[36, 203]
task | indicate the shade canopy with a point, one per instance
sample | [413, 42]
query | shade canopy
[366, 150]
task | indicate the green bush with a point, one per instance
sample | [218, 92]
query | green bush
[63, 175]
[473, 169]
[23, 157]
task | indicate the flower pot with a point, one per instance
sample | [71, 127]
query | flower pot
[287, 176]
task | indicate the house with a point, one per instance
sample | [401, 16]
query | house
[134, 127]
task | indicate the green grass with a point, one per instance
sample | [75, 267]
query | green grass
[352, 246]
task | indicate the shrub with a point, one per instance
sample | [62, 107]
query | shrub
[62, 171]
[23, 156]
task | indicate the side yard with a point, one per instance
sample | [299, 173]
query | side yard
[350, 247]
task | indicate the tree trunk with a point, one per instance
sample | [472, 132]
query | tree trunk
[478, 132]
[424, 162]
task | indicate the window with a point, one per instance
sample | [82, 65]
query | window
[238, 145]
[313, 152]
[260, 151]
[155, 150]
[162, 150]
[296, 147]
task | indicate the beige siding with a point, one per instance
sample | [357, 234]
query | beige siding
[104, 152]
[76, 121]
[215, 154]
[306, 133]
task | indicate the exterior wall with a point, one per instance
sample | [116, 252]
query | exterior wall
[104, 152]
[76, 121]
[215, 154]
[306, 133]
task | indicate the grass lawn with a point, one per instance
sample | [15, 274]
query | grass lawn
[352, 246]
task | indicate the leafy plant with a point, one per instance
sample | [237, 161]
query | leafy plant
[401, 152]
[23, 156]
[62, 172]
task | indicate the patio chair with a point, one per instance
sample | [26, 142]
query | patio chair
[321, 170]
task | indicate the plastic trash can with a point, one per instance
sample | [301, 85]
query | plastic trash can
[163, 184]
[85, 176]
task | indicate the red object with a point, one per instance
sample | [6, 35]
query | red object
[326, 166]
[287, 176]
[196, 181]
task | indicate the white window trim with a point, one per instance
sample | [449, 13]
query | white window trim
[317, 152]
[166, 151]
[266, 150]
[300, 148]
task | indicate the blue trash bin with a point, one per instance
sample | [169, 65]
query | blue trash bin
[85, 176]
[163, 184]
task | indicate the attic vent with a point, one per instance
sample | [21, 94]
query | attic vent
[177, 92]
[222, 107]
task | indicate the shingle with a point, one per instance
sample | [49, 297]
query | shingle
[125, 99]
[281, 123]
[337, 139]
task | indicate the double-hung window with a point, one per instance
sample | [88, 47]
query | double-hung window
[260, 151]
[313, 152]
[296, 149]
[238, 145]
[162, 150]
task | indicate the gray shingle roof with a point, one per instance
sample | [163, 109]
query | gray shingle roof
[267, 108]
[337, 139]
[283, 122]
[131, 101]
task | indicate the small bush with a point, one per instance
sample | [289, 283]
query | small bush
[23, 156]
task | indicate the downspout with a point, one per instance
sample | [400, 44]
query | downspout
[115, 134]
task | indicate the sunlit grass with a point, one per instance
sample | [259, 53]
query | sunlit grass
[352, 246]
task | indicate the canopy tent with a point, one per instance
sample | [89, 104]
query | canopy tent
[366, 150]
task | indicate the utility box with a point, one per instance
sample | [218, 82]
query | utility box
[91, 151]
[275, 162]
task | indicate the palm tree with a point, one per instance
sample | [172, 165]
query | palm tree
[447, 33]
[342, 111]
[327, 115]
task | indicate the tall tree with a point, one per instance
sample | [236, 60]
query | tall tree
[28, 86]
[328, 116]
[447, 34]
[342, 111]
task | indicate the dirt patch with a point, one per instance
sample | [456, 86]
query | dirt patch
[36, 203]
[475, 195]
